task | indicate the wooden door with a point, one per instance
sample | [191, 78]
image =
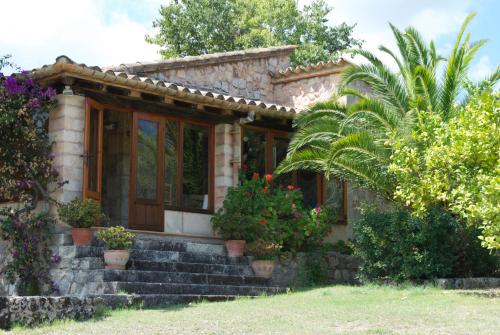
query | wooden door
[92, 153]
[147, 162]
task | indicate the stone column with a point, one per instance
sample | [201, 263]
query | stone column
[223, 162]
[66, 123]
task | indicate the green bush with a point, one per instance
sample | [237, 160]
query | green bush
[116, 238]
[258, 209]
[403, 247]
[80, 213]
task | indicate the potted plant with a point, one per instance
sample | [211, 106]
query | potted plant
[233, 228]
[81, 215]
[264, 255]
[117, 243]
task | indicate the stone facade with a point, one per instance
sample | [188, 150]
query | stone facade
[338, 268]
[249, 78]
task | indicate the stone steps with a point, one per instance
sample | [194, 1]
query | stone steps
[190, 289]
[225, 269]
[180, 277]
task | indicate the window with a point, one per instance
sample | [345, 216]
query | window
[187, 166]
[147, 143]
[195, 167]
[263, 150]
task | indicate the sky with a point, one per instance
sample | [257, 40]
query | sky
[110, 32]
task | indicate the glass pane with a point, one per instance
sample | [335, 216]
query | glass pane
[280, 147]
[171, 160]
[254, 151]
[195, 167]
[308, 184]
[147, 165]
[334, 195]
[93, 150]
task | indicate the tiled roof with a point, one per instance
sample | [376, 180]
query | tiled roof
[214, 58]
[300, 71]
[65, 65]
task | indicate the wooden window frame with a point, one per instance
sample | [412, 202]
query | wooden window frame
[180, 120]
[180, 164]
[320, 181]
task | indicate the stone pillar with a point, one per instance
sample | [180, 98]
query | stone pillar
[223, 162]
[66, 123]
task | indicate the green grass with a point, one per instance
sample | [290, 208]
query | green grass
[329, 310]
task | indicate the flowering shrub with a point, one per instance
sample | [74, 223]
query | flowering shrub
[257, 209]
[30, 251]
[25, 172]
[116, 238]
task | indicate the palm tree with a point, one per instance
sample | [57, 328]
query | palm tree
[353, 142]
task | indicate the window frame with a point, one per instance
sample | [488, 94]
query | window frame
[180, 165]
[271, 134]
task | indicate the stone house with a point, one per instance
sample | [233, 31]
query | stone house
[159, 143]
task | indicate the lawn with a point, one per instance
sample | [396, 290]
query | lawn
[329, 310]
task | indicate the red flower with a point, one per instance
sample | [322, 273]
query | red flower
[264, 190]
[262, 221]
[247, 194]
[255, 176]
[269, 177]
[244, 166]
[291, 187]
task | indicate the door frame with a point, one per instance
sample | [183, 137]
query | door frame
[89, 106]
[133, 200]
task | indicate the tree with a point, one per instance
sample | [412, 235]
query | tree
[194, 27]
[455, 164]
[357, 142]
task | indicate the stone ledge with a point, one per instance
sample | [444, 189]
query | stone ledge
[34, 310]
[468, 283]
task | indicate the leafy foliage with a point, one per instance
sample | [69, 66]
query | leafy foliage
[455, 163]
[403, 247]
[259, 210]
[263, 250]
[25, 173]
[116, 238]
[193, 27]
[381, 139]
[80, 213]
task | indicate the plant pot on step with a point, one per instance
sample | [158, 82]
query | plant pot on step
[116, 259]
[263, 268]
[117, 242]
[235, 248]
[81, 236]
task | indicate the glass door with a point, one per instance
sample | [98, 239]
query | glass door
[92, 155]
[147, 173]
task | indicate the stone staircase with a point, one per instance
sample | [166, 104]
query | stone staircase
[161, 271]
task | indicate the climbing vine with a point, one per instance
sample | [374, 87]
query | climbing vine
[25, 175]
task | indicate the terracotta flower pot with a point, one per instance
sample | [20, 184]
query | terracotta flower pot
[116, 259]
[235, 248]
[81, 236]
[263, 268]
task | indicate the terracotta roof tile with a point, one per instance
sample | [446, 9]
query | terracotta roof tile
[64, 64]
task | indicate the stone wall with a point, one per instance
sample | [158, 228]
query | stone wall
[34, 310]
[66, 123]
[247, 78]
[338, 268]
[302, 93]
